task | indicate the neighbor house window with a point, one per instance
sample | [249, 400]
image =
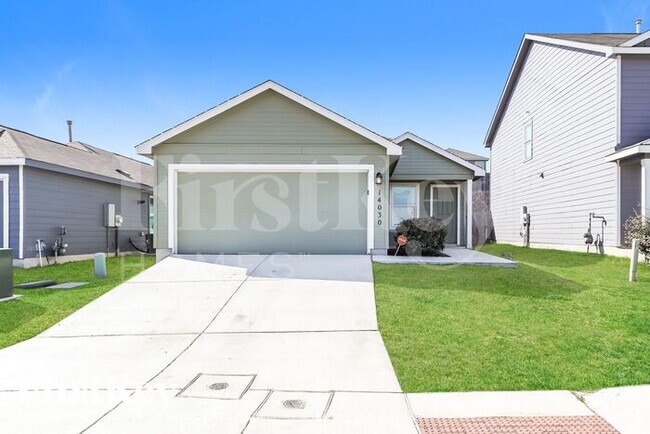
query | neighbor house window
[403, 202]
[528, 140]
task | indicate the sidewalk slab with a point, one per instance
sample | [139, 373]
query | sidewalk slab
[280, 305]
[496, 404]
[160, 412]
[320, 361]
[626, 408]
[349, 413]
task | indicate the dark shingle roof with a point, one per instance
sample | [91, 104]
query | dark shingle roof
[76, 155]
[607, 39]
[468, 156]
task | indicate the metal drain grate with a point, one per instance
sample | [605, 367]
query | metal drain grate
[218, 386]
[294, 404]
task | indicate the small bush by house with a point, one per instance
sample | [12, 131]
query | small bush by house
[637, 226]
[426, 235]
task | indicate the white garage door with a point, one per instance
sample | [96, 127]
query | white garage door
[270, 212]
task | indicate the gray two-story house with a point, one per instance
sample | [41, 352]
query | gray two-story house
[570, 137]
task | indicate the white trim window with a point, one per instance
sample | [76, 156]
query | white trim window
[528, 140]
[404, 202]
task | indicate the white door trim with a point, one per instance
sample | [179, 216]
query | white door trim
[458, 209]
[4, 179]
[174, 169]
[393, 225]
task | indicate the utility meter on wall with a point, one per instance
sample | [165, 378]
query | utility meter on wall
[118, 220]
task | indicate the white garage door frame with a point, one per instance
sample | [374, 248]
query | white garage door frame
[174, 169]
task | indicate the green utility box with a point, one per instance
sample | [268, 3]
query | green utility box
[6, 274]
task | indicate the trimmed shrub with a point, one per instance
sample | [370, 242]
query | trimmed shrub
[637, 226]
[426, 235]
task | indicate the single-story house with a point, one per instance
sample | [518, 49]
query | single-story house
[272, 171]
[46, 186]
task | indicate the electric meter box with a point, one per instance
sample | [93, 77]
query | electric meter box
[109, 215]
[6, 274]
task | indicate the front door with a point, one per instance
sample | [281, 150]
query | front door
[445, 207]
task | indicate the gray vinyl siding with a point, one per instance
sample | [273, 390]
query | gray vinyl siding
[570, 95]
[54, 199]
[630, 191]
[14, 208]
[418, 162]
[635, 99]
[268, 129]
[268, 120]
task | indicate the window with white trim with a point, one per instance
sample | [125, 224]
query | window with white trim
[403, 202]
[528, 140]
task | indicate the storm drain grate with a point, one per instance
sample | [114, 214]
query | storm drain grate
[218, 386]
[294, 404]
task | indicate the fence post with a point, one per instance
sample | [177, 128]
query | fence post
[634, 260]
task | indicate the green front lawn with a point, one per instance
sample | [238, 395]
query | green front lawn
[560, 321]
[38, 309]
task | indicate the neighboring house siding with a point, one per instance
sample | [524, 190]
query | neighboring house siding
[635, 99]
[54, 199]
[14, 207]
[418, 162]
[571, 97]
[267, 129]
[630, 191]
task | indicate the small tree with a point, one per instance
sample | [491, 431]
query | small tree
[426, 235]
[638, 227]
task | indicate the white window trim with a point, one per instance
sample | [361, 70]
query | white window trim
[458, 207]
[174, 169]
[393, 225]
[4, 179]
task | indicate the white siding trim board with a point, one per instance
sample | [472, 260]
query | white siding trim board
[174, 169]
[4, 179]
[21, 206]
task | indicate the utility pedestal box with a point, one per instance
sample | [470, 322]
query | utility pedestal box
[6, 274]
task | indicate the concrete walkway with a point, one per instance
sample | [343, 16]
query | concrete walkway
[228, 344]
[454, 256]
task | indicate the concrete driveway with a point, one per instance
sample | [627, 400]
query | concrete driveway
[227, 344]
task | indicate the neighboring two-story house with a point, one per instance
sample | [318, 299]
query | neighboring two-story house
[570, 137]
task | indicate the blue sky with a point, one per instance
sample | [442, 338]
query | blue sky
[126, 70]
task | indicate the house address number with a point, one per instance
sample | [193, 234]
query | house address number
[380, 208]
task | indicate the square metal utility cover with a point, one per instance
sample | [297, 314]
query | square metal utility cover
[218, 386]
[295, 405]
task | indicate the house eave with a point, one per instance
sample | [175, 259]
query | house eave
[630, 151]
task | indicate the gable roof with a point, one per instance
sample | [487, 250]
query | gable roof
[145, 148]
[606, 39]
[16, 144]
[440, 151]
[467, 155]
[607, 44]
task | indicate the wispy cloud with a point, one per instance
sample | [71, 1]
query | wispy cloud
[619, 15]
[43, 99]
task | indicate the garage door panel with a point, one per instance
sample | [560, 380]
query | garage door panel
[272, 212]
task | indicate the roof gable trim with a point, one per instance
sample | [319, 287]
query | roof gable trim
[440, 151]
[637, 39]
[145, 148]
